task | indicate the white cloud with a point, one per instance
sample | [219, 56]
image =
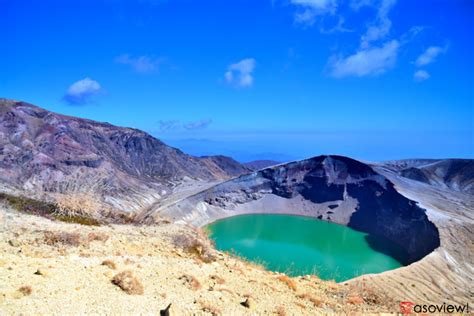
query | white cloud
[166, 126]
[141, 64]
[82, 91]
[177, 125]
[240, 74]
[421, 75]
[199, 124]
[366, 62]
[429, 56]
[357, 4]
[338, 27]
[372, 58]
[382, 25]
[310, 9]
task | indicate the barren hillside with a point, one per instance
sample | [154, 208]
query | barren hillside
[50, 267]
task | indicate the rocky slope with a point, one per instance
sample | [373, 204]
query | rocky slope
[43, 152]
[332, 188]
[454, 174]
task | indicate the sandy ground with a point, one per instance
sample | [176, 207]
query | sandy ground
[67, 278]
[41, 275]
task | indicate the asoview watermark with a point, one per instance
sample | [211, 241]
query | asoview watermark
[410, 307]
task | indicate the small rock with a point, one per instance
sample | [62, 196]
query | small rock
[14, 243]
[249, 303]
[166, 311]
[41, 272]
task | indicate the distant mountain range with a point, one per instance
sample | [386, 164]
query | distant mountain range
[261, 164]
[239, 150]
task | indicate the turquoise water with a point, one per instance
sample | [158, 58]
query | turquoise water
[300, 245]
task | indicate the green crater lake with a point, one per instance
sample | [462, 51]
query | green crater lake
[299, 245]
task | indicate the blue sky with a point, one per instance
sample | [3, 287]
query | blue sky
[370, 79]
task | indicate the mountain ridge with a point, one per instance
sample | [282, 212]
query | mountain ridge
[40, 149]
[453, 173]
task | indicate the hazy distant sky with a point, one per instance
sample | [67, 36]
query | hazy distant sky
[254, 79]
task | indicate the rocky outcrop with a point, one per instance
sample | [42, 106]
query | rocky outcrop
[42, 152]
[333, 188]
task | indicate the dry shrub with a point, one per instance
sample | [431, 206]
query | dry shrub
[109, 263]
[316, 301]
[80, 195]
[198, 245]
[78, 204]
[191, 281]
[45, 209]
[64, 238]
[218, 279]
[300, 305]
[280, 311]
[355, 300]
[25, 290]
[82, 220]
[120, 217]
[288, 281]
[224, 289]
[207, 307]
[128, 282]
[27, 205]
[97, 237]
[369, 295]
[271, 287]
[376, 298]
[313, 299]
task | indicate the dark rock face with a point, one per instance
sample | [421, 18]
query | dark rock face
[329, 180]
[38, 149]
[414, 174]
[384, 212]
